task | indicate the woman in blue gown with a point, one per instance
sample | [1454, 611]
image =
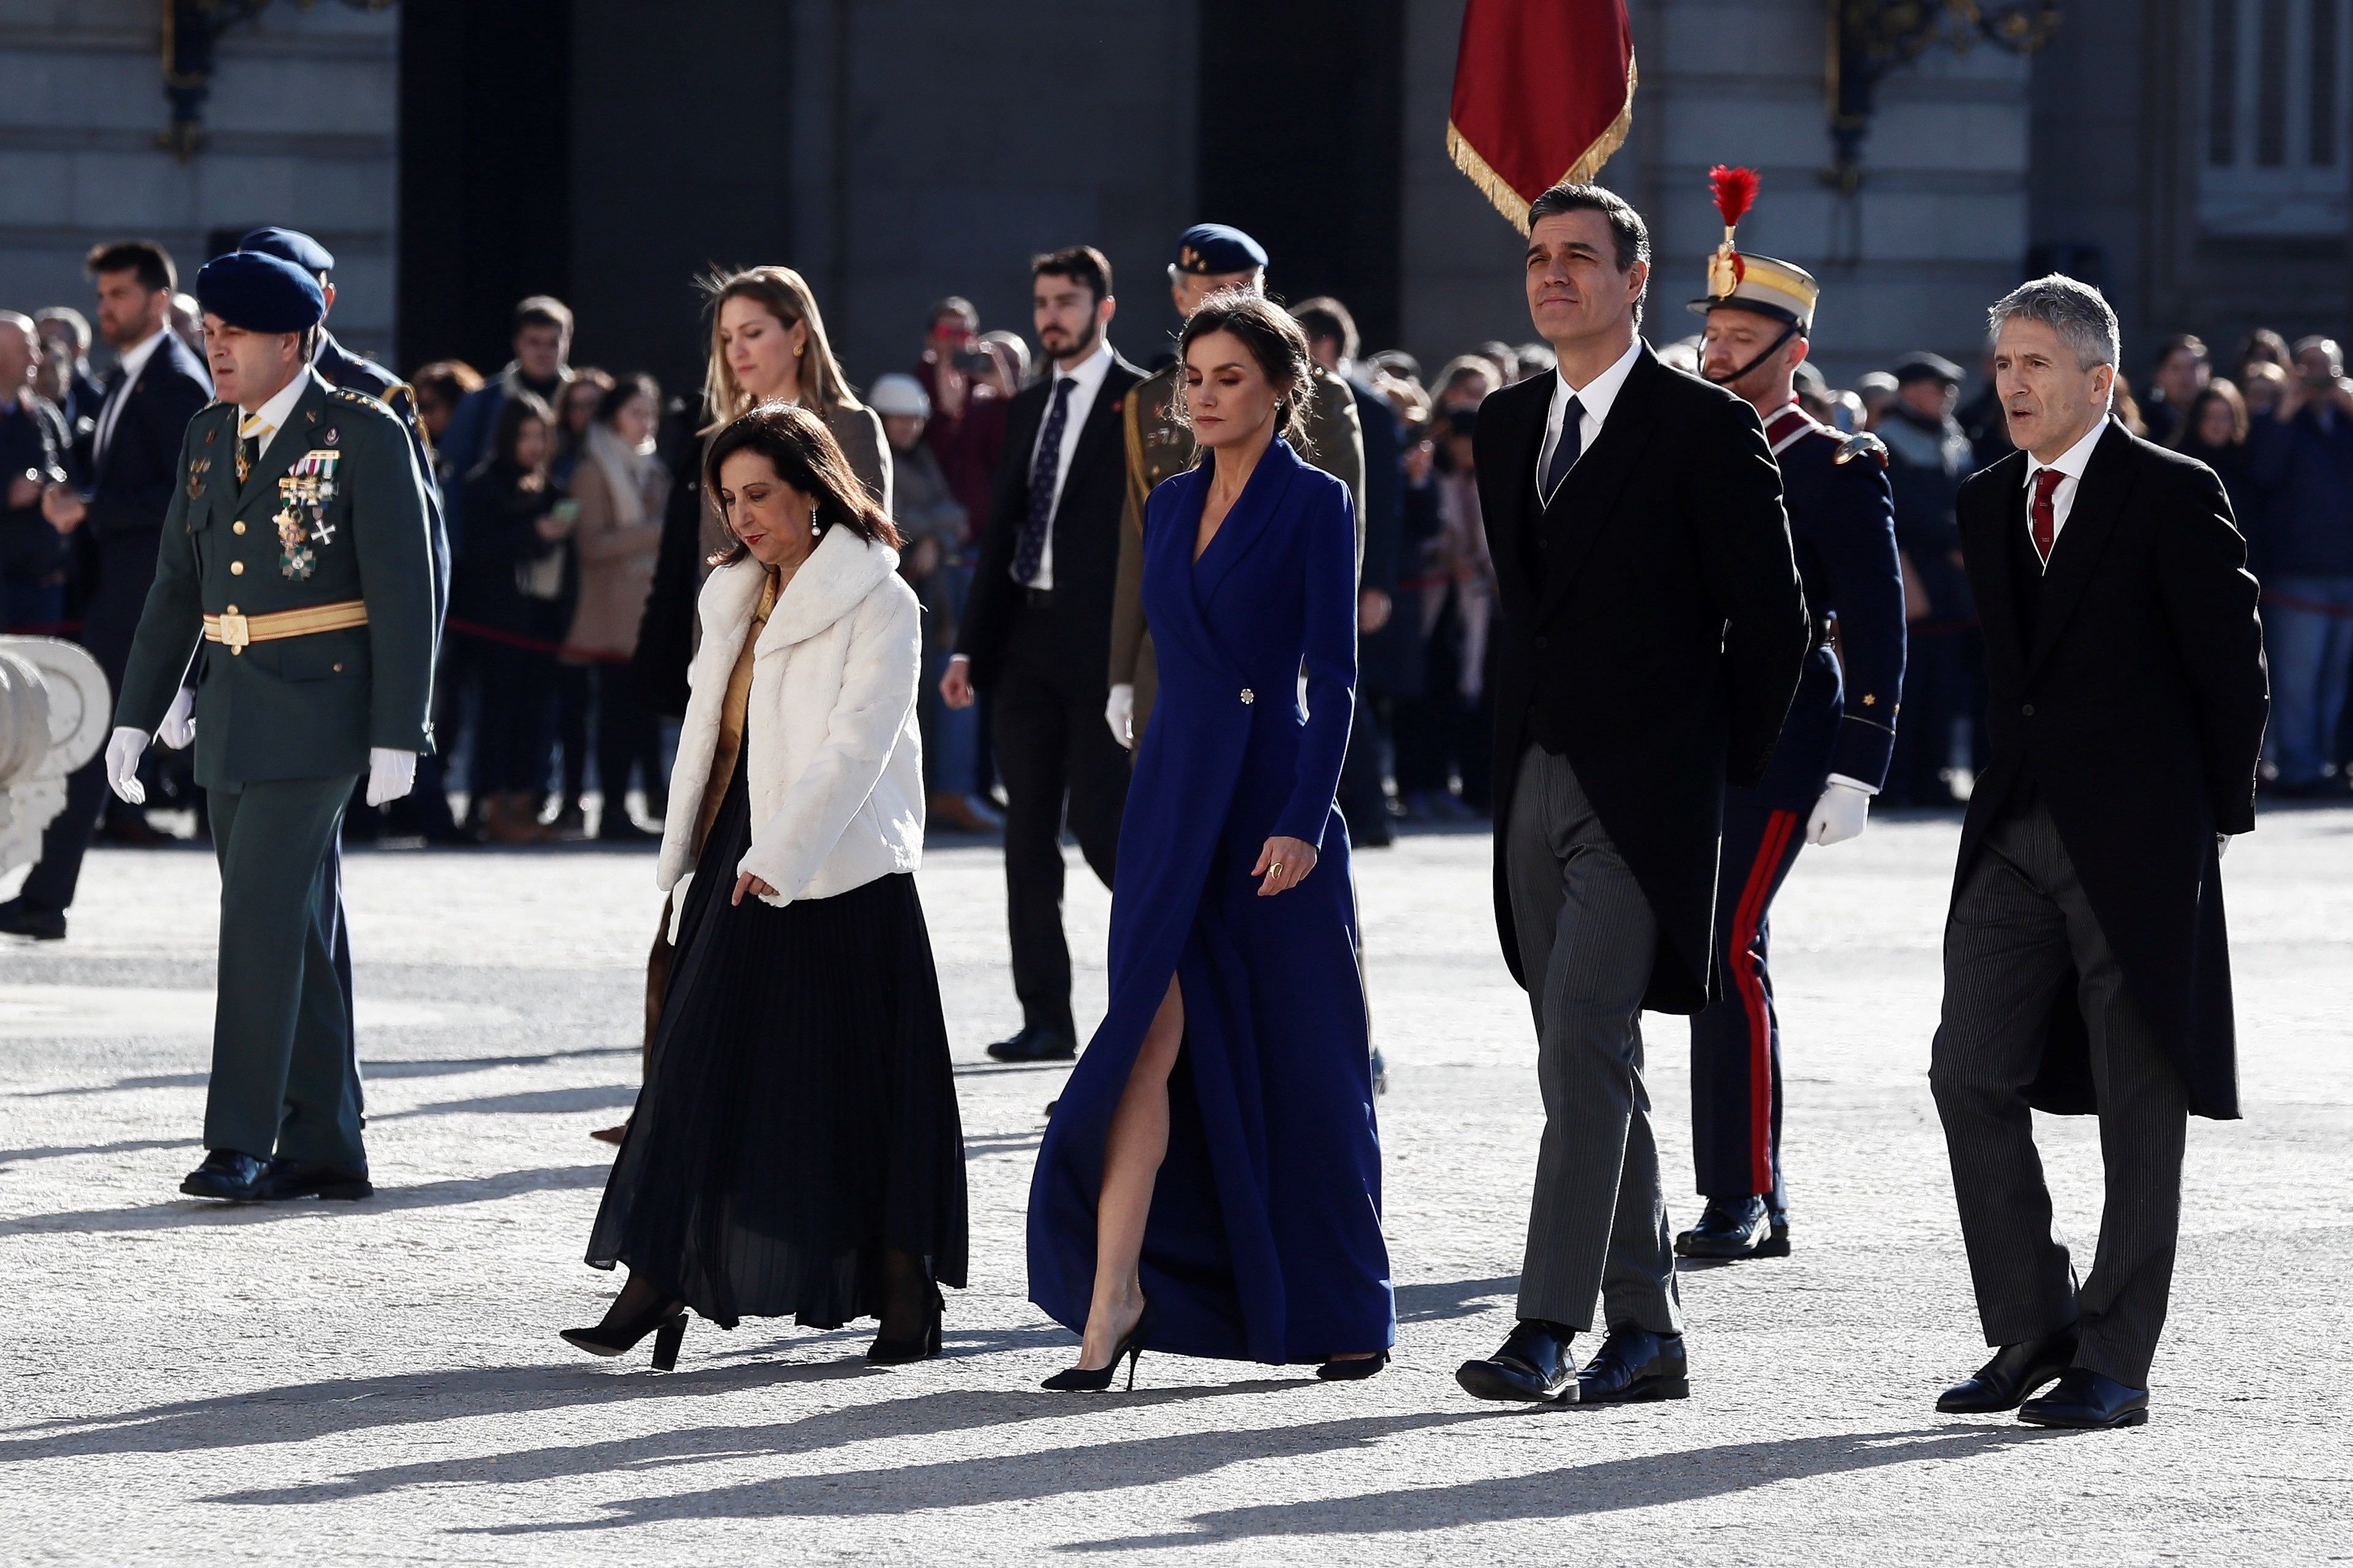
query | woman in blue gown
[1210, 1183]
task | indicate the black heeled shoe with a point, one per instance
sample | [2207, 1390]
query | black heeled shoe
[1355, 1369]
[667, 1324]
[1081, 1380]
[899, 1352]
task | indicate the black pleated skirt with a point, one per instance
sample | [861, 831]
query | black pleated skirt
[798, 1117]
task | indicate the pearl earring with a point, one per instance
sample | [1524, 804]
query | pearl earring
[813, 529]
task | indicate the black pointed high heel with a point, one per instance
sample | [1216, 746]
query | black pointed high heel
[1355, 1369]
[899, 1352]
[667, 1324]
[1080, 1380]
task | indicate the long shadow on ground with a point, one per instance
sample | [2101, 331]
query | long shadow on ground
[197, 1212]
[1608, 1486]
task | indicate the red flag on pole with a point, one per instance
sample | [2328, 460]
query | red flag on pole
[1543, 91]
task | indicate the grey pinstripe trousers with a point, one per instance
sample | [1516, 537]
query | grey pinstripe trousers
[1598, 1227]
[2020, 925]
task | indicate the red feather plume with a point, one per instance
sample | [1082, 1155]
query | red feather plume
[1736, 192]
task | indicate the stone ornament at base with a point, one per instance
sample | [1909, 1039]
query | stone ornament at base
[54, 711]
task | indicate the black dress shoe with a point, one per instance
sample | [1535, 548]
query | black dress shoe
[230, 1176]
[1533, 1365]
[2015, 1371]
[1732, 1230]
[309, 1179]
[2089, 1400]
[19, 918]
[1633, 1366]
[1036, 1042]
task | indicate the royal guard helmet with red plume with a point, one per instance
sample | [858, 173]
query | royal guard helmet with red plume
[1745, 280]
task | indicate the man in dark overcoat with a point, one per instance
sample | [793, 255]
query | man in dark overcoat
[2086, 968]
[1653, 630]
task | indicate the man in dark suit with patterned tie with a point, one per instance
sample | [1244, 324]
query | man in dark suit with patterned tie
[1653, 631]
[132, 463]
[1037, 632]
[2086, 965]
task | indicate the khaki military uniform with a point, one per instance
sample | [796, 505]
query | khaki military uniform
[306, 594]
[1159, 448]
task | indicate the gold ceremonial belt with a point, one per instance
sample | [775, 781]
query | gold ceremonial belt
[234, 631]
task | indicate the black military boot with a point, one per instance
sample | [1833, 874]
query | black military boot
[1736, 1230]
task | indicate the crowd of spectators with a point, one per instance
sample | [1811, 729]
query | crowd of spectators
[558, 481]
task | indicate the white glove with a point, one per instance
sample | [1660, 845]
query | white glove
[1839, 815]
[124, 750]
[391, 775]
[178, 730]
[1120, 714]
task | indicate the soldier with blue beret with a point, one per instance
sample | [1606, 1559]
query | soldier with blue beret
[1833, 751]
[296, 570]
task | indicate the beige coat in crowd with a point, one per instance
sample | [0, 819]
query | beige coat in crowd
[615, 542]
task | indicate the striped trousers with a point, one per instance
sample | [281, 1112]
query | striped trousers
[1735, 1087]
[2021, 933]
[1598, 1226]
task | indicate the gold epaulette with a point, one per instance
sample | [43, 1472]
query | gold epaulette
[1863, 443]
[349, 396]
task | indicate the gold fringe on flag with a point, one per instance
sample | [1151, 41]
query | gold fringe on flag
[1509, 202]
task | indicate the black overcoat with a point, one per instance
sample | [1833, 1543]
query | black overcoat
[2138, 709]
[1663, 630]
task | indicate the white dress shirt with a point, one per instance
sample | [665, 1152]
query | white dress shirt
[2070, 463]
[271, 416]
[1086, 381]
[1593, 400]
[134, 360]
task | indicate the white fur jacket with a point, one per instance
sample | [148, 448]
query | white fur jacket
[837, 767]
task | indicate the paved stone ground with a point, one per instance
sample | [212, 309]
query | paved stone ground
[381, 1383]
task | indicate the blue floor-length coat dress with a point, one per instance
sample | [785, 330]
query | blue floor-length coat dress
[1264, 1240]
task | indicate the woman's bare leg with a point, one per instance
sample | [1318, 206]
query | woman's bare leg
[1137, 1142]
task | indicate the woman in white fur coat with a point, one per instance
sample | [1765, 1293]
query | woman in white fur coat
[795, 1149]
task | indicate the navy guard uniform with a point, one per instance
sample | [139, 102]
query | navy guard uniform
[1833, 755]
[297, 568]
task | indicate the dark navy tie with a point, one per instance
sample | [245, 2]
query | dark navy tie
[1565, 450]
[1031, 549]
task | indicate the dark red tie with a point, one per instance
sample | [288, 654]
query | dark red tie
[2046, 523]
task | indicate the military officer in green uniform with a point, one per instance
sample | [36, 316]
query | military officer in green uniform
[1209, 257]
[297, 570]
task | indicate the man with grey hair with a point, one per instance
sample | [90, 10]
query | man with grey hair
[2086, 965]
[63, 376]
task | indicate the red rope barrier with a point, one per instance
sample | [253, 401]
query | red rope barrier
[2289, 602]
[534, 645]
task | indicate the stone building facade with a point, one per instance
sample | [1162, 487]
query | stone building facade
[298, 128]
[2191, 155]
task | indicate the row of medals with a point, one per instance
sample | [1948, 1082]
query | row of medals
[303, 499]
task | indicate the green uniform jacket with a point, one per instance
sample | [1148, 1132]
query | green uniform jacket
[1159, 448]
[340, 479]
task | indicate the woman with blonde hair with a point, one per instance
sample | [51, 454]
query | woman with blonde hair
[768, 345]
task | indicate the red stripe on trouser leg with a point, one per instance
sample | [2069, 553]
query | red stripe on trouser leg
[1740, 959]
